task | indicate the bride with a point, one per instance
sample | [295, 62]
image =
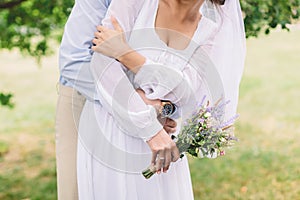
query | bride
[154, 54]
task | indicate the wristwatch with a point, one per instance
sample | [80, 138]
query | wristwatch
[167, 108]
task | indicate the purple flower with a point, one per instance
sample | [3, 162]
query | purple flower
[229, 121]
[202, 101]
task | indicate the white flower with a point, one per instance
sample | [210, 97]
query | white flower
[212, 155]
[200, 154]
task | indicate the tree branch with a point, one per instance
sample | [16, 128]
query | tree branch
[11, 4]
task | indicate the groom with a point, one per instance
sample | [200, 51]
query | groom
[75, 86]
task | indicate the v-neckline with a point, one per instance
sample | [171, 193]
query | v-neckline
[192, 40]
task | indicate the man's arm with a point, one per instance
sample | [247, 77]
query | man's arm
[85, 16]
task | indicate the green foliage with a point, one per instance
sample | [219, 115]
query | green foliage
[264, 15]
[29, 25]
[5, 99]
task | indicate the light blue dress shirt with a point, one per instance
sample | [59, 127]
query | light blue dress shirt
[75, 51]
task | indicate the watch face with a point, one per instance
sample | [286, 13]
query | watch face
[167, 110]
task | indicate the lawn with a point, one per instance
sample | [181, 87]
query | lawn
[263, 165]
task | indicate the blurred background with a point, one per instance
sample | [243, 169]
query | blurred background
[263, 165]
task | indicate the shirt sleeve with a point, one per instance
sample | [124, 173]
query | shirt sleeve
[76, 45]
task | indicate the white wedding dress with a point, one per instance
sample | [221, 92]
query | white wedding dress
[111, 149]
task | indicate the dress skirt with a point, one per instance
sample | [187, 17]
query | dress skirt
[110, 162]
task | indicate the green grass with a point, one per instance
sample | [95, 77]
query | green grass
[262, 166]
[27, 169]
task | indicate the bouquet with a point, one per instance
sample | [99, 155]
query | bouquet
[205, 134]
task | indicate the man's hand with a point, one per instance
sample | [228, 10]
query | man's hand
[168, 124]
[164, 151]
[155, 102]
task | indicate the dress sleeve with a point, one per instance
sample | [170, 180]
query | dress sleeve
[181, 87]
[116, 92]
[119, 97]
[125, 11]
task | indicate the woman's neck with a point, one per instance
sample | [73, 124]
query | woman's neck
[186, 10]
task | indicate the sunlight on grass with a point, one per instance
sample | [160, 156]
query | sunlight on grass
[263, 164]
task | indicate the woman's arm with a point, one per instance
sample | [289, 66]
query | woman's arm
[120, 98]
[133, 116]
[178, 86]
[118, 94]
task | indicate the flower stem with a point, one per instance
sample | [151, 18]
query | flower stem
[150, 171]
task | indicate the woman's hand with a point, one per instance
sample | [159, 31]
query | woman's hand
[110, 42]
[164, 151]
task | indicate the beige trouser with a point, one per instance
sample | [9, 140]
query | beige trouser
[69, 107]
